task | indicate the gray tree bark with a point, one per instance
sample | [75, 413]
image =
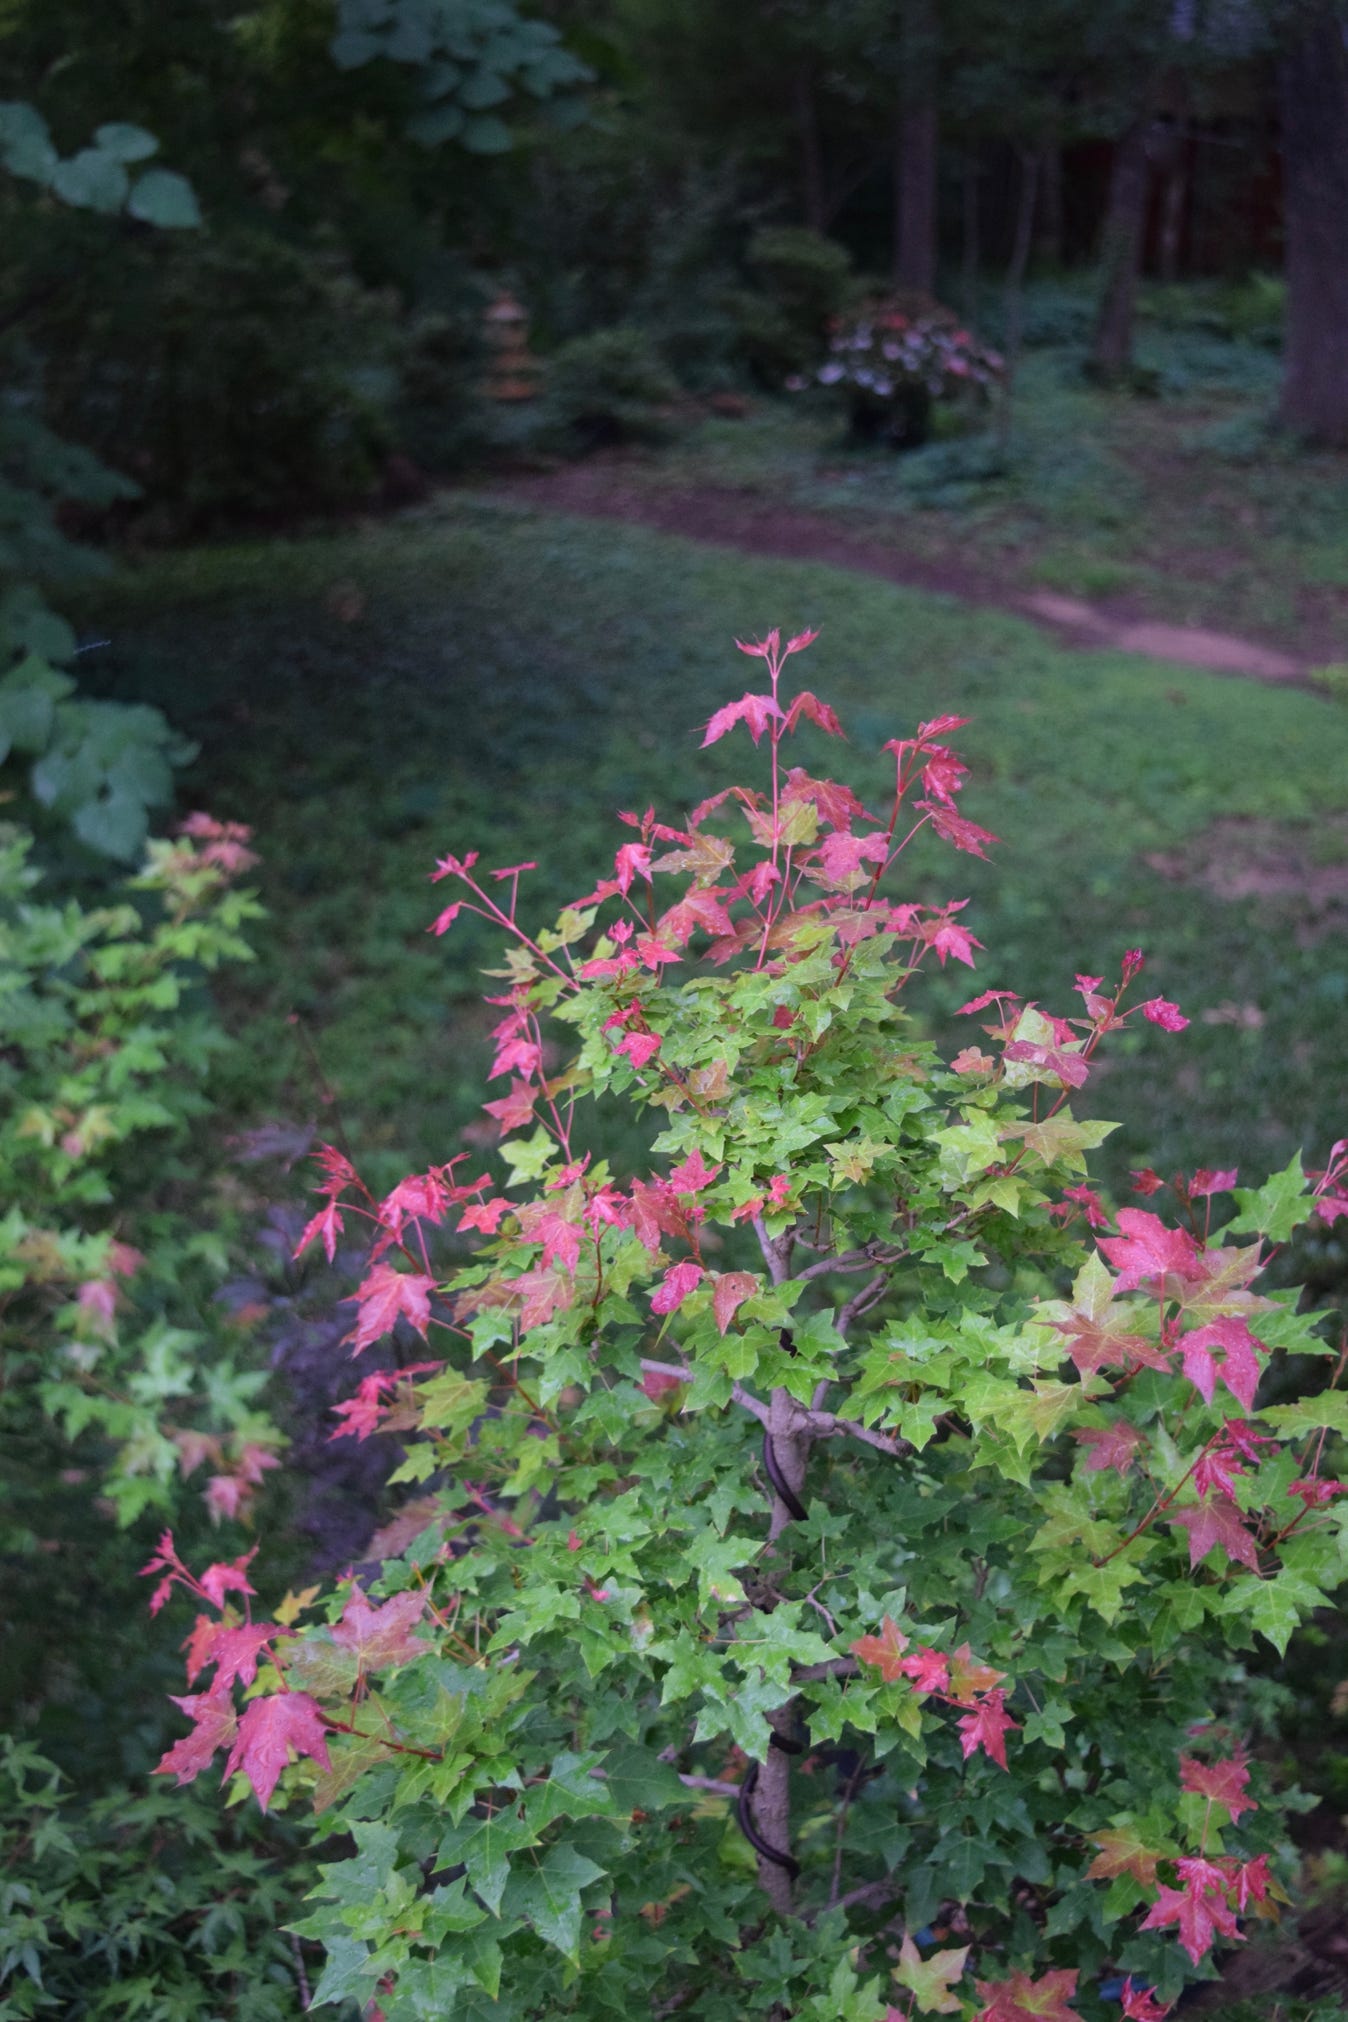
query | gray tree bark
[1314, 92]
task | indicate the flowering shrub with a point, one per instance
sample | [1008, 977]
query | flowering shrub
[892, 366]
[826, 1546]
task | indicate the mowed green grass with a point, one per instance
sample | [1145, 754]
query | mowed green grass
[484, 677]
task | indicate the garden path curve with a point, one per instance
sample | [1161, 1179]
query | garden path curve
[723, 517]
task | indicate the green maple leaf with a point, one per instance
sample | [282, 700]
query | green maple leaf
[549, 1896]
[1276, 1208]
[484, 1845]
[929, 1981]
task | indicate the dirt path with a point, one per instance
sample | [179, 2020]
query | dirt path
[725, 518]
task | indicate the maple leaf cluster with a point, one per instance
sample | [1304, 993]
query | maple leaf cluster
[280, 1725]
[959, 1679]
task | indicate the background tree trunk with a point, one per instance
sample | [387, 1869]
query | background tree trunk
[1030, 166]
[915, 153]
[1048, 233]
[811, 153]
[970, 246]
[1172, 160]
[1314, 90]
[1121, 253]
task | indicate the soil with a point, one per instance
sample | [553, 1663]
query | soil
[1303, 872]
[602, 489]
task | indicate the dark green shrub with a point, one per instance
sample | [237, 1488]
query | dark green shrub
[248, 377]
[801, 283]
[608, 389]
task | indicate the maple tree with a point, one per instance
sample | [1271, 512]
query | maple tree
[835, 1534]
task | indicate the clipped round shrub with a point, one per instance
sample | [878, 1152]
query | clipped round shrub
[607, 389]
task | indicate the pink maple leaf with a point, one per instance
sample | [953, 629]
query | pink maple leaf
[269, 1732]
[1021, 1999]
[1162, 1013]
[234, 1651]
[953, 828]
[442, 922]
[386, 1296]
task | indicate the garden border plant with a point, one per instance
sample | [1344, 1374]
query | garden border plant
[832, 1541]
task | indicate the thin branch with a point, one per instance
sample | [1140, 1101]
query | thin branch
[869, 1295]
[834, 1667]
[711, 1783]
[683, 1374]
[776, 1250]
[850, 1260]
[823, 1425]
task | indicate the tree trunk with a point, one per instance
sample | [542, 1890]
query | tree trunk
[1015, 283]
[970, 248]
[915, 153]
[1048, 234]
[1121, 254]
[811, 153]
[1314, 90]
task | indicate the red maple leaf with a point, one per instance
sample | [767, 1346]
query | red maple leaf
[730, 1290]
[1111, 1446]
[808, 704]
[219, 1580]
[987, 1728]
[842, 855]
[970, 1676]
[486, 1215]
[381, 1636]
[1216, 1521]
[1239, 1365]
[693, 1174]
[543, 1222]
[234, 1651]
[542, 1293]
[928, 1669]
[214, 1725]
[1201, 1917]
[361, 1414]
[387, 1295]
[1220, 1782]
[884, 1650]
[1146, 1249]
[640, 1047]
[674, 1287]
[513, 1111]
[268, 1731]
[953, 828]
[755, 710]
[327, 1223]
[1252, 1878]
[1021, 1999]
[1140, 2003]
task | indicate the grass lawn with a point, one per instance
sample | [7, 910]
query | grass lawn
[482, 676]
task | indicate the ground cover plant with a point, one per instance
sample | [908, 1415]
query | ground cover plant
[921, 1441]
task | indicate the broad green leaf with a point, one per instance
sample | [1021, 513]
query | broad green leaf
[126, 143]
[162, 197]
[91, 180]
[1275, 1209]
